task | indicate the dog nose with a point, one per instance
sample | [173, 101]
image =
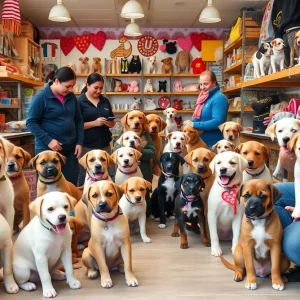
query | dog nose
[102, 204]
[50, 170]
[200, 168]
[230, 137]
[178, 144]
[138, 198]
[136, 124]
[154, 127]
[62, 218]
[126, 161]
[10, 164]
[223, 170]
[250, 163]
[98, 167]
[131, 143]
[286, 140]
[252, 208]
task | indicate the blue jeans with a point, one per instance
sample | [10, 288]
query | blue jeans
[291, 230]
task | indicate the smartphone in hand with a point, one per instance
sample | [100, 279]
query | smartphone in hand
[110, 118]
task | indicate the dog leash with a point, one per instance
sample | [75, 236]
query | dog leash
[258, 174]
[230, 196]
[260, 218]
[48, 182]
[128, 173]
[118, 213]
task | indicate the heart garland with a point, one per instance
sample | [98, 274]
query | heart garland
[82, 42]
[98, 40]
[66, 45]
[198, 38]
[185, 44]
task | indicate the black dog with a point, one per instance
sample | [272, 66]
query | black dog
[162, 86]
[135, 65]
[162, 199]
[189, 208]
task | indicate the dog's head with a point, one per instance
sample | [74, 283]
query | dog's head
[152, 60]
[278, 44]
[48, 164]
[75, 226]
[199, 160]
[16, 161]
[170, 113]
[228, 168]
[258, 197]
[71, 65]
[96, 162]
[192, 133]
[129, 139]
[167, 60]
[96, 60]
[6, 148]
[255, 153]
[177, 140]
[155, 124]
[135, 121]
[230, 130]
[84, 59]
[283, 130]
[170, 162]
[135, 189]
[53, 209]
[223, 146]
[297, 38]
[149, 81]
[294, 144]
[266, 49]
[126, 158]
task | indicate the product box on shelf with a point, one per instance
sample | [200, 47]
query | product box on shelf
[30, 176]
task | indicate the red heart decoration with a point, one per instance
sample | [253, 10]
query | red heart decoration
[82, 42]
[185, 43]
[230, 197]
[197, 39]
[98, 40]
[66, 45]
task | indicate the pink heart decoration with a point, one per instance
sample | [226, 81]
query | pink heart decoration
[230, 197]
[98, 40]
[82, 42]
[185, 44]
[163, 48]
[66, 45]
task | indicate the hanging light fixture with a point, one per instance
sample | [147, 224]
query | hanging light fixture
[133, 29]
[210, 14]
[132, 10]
[59, 13]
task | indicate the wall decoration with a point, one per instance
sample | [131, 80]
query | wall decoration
[67, 44]
[197, 39]
[185, 44]
[147, 45]
[208, 49]
[82, 42]
[121, 51]
[98, 40]
[11, 20]
[169, 47]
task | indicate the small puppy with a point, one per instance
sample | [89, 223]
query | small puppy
[126, 159]
[14, 170]
[223, 146]
[295, 49]
[277, 58]
[44, 244]
[135, 121]
[261, 60]
[84, 65]
[194, 138]
[170, 119]
[96, 66]
[130, 139]
[151, 65]
[256, 155]
[189, 208]
[148, 86]
[176, 142]
[231, 132]
[133, 203]
[109, 246]
[72, 66]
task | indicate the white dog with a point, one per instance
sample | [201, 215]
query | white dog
[44, 244]
[170, 119]
[176, 142]
[223, 146]
[151, 65]
[72, 66]
[224, 210]
[148, 86]
[277, 58]
[130, 139]
[150, 105]
[261, 60]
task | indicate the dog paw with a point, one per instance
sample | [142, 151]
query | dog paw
[162, 226]
[80, 247]
[175, 234]
[58, 275]
[28, 286]
[106, 283]
[93, 274]
[49, 293]
[156, 219]
[216, 251]
[172, 217]
[251, 286]
[132, 281]
[184, 245]
[146, 240]
[278, 287]
[206, 243]
[238, 276]
[74, 284]
[11, 287]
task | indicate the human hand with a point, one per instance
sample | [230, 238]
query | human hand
[110, 124]
[55, 145]
[188, 123]
[268, 119]
[291, 209]
[78, 151]
[100, 121]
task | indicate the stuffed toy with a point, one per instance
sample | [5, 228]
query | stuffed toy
[150, 104]
[198, 65]
[177, 104]
[148, 86]
[186, 105]
[178, 121]
[96, 66]
[124, 66]
[183, 61]
[151, 65]
[136, 104]
[191, 87]
[118, 86]
[71, 65]
[169, 47]
[135, 65]
[162, 85]
[84, 65]
[167, 66]
[177, 86]
[133, 86]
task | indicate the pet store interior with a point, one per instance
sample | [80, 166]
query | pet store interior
[147, 57]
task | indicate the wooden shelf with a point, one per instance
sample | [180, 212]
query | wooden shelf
[77, 93]
[158, 111]
[157, 93]
[247, 109]
[9, 106]
[233, 90]
[123, 75]
[82, 75]
[185, 93]
[122, 93]
[157, 75]
[6, 76]
[185, 75]
[234, 45]
[236, 68]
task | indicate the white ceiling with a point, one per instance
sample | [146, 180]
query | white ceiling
[158, 13]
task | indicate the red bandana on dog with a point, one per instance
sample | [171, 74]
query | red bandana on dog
[230, 196]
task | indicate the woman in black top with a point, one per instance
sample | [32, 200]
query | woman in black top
[95, 110]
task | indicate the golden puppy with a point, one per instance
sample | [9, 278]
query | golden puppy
[223, 146]
[195, 141]
[109, 246]
[96, 66]
[231, 132]
[135, 121]
[14, 170]
[156, 125]
[258, 252]
[84, 65]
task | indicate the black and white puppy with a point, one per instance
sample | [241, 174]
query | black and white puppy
[261, 60]
[163, 197]
[189, 208]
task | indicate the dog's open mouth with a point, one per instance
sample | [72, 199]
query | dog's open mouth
[58, 228]
[225, 180]
[127, 166]
[191, 197]
[178, 149]
[98, 174]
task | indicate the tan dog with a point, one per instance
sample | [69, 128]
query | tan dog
[167, 66]
[135, 121]
[195, 141]
[176, 142]
[223, 146]
[156, 125]
[130, 139]
[84, 65]
[295, 49]
[109, 246]
[256, 154]
[258, 252]
[96, 66]
[48, 165]
[14, 170]
[231, 132]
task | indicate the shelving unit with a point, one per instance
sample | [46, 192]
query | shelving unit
[158, 111]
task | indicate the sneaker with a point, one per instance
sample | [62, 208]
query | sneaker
[293, 274]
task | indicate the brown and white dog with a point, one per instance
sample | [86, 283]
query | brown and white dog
[84, 65]
[130, 139]
[109, 246]
[14, 170]
[177, 141]
[135, 121]
[277, 58]
[194, 138]
[48, 165]
[223, 146]
[258, 252]
[294, 48]
[231, 132]
[256, 155]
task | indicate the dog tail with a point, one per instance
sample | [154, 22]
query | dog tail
[227, 264]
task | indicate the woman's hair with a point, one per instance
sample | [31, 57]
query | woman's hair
[92, 78]
[211, 75]
[64, 74]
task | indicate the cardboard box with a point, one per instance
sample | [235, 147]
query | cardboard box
[30, 176]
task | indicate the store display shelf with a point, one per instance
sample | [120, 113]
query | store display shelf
[9, 106]
[239, 41]
[82, 75]
[157, 93]
[236, 68]
[123, 93]
[156, 111]
[6, 76]
[123, 75]
[157, 75]
[185, 75]
[233, 90]
[185, 93]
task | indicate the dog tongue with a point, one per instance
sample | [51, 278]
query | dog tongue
[60, 228]
[178, 150]
[98, 175]
[225, 180]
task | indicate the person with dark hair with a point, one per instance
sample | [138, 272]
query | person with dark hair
[56, 122]
[98, 118]
[211, 109]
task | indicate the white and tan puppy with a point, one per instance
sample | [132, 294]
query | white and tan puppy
[44, 244]
[133, 203]
[130, 139]
[170, 119]
[126, 160]
[223, 146]
[277, 59]
[6, 188]
[231, 132]
[224, 211]
[177, 141]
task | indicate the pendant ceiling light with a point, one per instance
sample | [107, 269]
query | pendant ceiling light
[210, 14]
[59, 13]
[132, 10]
[133, 29]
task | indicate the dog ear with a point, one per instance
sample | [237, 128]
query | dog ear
[148, 184]
[80, 59]
[26, 156]
[120, 140]
[72, 201]
[240, 191]
[87, 58]
[137, 154]
[165, 112]
[32, 162]
[110, 162]
[145, 123]
[114, 157]
[221, 127]
[181, 159]
[212, 164]
[243, 163]
[292, 143]
[239, 127]
[212, 155]
[36, 206]
[85, 197]
[262, 48]
[8, 147]
[168, 136]
[163, 124]
[202, 183]
[232, 146]
[83, 160]
[238, 148]
[178, 183]
[118, 189]
[273, 43]
[188, 158]
[298, 121]
[271, 131]
[266, 151]
[62, 158]
[124, 120]
[124, 185]
[275, 192]
[186, 138]
[182, 128]
[214, 147]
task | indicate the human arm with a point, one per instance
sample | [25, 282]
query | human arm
[148, 152]
[78, 119]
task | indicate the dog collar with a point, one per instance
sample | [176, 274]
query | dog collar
[50, 229]
[118, 213]
[3, 178]
[230, 196]
[51, 182]
[16, 177]
[260, 218]
[129, 200]
[128, 173]
[256, 175]
[94, 179]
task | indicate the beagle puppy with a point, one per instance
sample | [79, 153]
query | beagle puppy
[231, 132]
[223, 146]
